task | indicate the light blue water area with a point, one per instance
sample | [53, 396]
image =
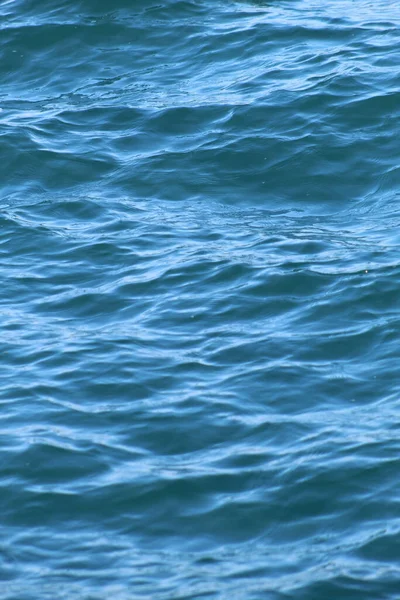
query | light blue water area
[200, 286]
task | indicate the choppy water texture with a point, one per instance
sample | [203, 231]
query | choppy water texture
[200, 278]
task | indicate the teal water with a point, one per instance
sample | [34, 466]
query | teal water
[200, 286]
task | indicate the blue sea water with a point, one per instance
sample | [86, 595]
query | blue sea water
[200, 299]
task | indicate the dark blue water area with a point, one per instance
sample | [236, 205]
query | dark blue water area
[200, 292]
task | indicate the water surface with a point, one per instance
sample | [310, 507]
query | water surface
[199, 236]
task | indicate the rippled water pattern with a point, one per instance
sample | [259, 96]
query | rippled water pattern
[200, 285]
